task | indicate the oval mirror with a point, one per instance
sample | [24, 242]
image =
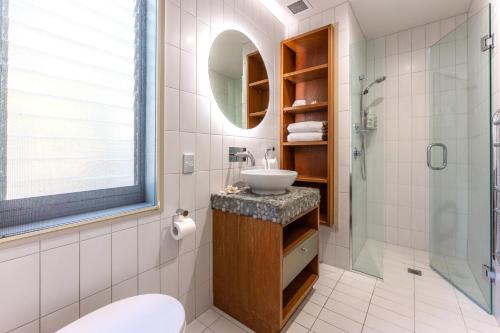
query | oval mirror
[238, 78]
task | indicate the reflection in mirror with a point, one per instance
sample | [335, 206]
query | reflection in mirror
[238, 78]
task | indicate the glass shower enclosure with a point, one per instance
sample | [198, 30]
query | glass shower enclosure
[459, 158]
[367, 161]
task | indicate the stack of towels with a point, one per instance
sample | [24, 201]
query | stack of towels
[307, 131]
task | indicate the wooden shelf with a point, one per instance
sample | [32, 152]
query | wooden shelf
[308, 179]
[294, 235]
[307, 74]
[306, 143]
[262, 84]
[320, 106]
[258, 114]
[297, 291]
[308, 67]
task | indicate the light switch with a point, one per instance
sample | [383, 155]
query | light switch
[187, 163]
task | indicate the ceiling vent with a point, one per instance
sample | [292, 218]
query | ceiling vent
[298, 7]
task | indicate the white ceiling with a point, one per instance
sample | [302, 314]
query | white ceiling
[382, 17]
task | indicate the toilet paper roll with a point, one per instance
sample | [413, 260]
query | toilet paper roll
[182, 227]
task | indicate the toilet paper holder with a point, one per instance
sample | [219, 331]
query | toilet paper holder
[182, 212]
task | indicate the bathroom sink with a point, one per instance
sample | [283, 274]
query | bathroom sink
[269, 181]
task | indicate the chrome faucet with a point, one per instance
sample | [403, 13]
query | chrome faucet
[268, 150]
[238, 154]
[244, 154]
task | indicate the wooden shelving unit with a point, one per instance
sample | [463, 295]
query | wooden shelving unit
[261, 283]
[308, 72]
[257, 89]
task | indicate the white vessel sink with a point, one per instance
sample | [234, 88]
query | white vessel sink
[269, 181]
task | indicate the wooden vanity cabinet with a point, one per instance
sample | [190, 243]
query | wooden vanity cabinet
[262, 270]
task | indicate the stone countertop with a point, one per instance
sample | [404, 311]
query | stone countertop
[281, 208]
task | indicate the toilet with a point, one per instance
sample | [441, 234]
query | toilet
[152, 313]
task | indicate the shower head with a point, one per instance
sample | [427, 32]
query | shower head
[377, 81]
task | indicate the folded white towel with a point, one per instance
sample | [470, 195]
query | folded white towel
[309, 136]
[307, 126]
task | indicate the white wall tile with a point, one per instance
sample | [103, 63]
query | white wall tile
[149, 246]
[189, 6]
[203, 114]
[203, 152]
[124, 289]
[59, 240]
[33, 327]
[59, 319]
[94, 302]
[203, 10]
[12, 252]
[95, 265]
[187, 112]
[124, 255]
[171, 193]
[203, 226]
[149, 281]
[187, 263]
[188, 75]
[418, 38]
[404, 41]
[173, 24]
[202, 189]
[169, 282]
[59, 287]
[172, 72]
[171, 117]
[20, 290]
[188, 32]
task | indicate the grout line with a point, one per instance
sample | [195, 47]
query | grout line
[327, 298]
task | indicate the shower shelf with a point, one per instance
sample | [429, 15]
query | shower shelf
[320, 106]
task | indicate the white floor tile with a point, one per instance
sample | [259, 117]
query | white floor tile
[344, 301]
[295, 328]
[195, 327]
[345, 310]
[321, 326]
[305, 319]
[223, 325]
[340, 321]
[208, 317]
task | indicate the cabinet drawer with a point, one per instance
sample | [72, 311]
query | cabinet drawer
[296, 260]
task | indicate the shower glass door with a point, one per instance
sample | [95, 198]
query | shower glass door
[459, 158]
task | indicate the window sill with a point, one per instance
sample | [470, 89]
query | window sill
[10, 234]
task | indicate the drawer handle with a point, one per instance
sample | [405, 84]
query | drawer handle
[303, 249]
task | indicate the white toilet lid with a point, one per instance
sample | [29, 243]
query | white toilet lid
[153, 313]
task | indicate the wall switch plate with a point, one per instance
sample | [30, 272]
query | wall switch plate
[187, 163]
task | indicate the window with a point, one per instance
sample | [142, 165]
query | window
[77, 110]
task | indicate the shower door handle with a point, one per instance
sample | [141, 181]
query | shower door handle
[445, 156]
